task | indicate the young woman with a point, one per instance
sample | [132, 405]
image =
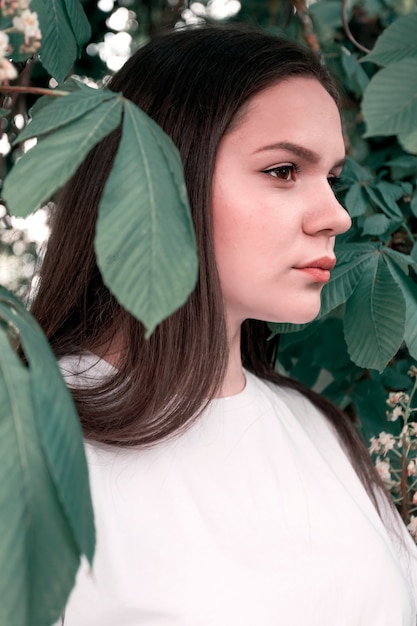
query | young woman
[224, 494]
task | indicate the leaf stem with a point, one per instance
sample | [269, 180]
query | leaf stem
[41, 91]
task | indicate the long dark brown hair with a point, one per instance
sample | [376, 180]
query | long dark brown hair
[193, 84]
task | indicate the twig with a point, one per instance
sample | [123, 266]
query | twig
[347, 30]
[41, 91]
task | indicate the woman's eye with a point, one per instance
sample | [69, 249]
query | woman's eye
[282, 172]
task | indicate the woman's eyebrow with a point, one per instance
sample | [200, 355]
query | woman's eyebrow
[300, 151]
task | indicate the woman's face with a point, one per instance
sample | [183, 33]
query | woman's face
[275, 214]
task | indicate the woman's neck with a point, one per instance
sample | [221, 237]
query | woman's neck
[234, 381]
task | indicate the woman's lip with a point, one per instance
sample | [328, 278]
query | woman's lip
[318, 274]
[324, 263]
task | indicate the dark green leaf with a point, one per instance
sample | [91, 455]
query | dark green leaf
[355, 200]
[409, 290]
[370, 397]
[376, 224]
[59, 48]
[353, 172]
[47, 166]
[385, 196]
[344, 279]
[149, 262]
[357, 78]
[79, 22]
[375, 317]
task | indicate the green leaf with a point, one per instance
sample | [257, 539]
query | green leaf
[356, 76]
[397, 42]
[369, 397]
[149, 261]
[413, 205]
[408, 140]
[47, 166]
[355, 200]
[376, 225]
[375, 317]
[401, 259]
[402, 166]
[384, 195]
[4, 112]
[59, 48]
[355, 173]
[409, 291]
[390, 102]
[61, 111]
[79, 22]
[344, 278]
[278, 329]
[45, 506]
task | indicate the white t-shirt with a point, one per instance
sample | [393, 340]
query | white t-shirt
[253, 517]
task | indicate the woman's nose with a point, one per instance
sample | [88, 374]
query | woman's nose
[327, 214]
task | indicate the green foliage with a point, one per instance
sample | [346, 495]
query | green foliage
[149, 261]
[358, 349]
[45, 508]
[65, 29]
[390, 102]
[57, 155]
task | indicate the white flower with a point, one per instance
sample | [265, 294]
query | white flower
[415, 498]
[411, 468]
[7, 70]
[383, 468]
[412, 526]
[397, 397]
[412, 372]
[375, 445]
[387, 441]
[396, 413]
[4, 44]
[28, 23]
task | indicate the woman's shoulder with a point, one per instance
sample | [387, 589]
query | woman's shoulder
[299, 408]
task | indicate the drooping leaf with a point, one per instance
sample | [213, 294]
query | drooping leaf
[390, 101]
[375, 317]
[149, 261]
[353, 172]
[344, 278]
[59, 47]
[409, 290]
[397, 42]
[61, 111]
[78, 21]
[376, 225]
[356, 76]
[47, 166]
[386, 195]
[356, 201]
[45, 506]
